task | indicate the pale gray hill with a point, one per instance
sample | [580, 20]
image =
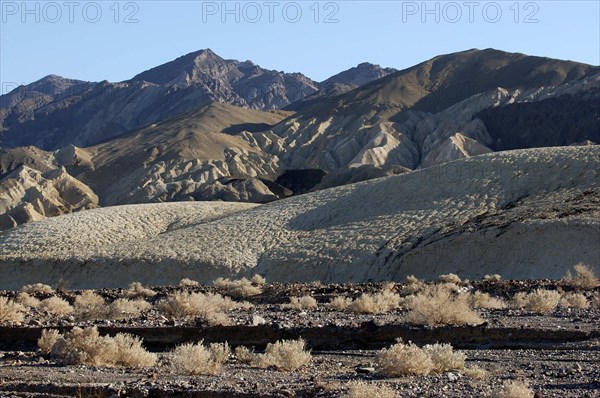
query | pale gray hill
[522, 214]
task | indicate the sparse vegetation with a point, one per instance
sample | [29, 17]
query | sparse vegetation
[10, 310]
[37, 288]
[186, 282]
[541, 301]
[197, 359]
[124, 308]
[47, 340]
[585, 277]
[340, 303]
[284, 355]
[258, 280]
[484, 300]
[137, 290]
[514, 389]
[302, 303]
[376, 303]
[492, 278]
[408, 359]
[87, 347]
[413, 285]
[56, 306]
[27, 300]
[475, 372]
[574, 300]
[361, 389]
[450, 278]
[239, 287]
[89, 305]
[210, 307]
[439, 305]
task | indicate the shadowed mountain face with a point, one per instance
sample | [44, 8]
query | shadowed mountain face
[89, 113]
[451, 107]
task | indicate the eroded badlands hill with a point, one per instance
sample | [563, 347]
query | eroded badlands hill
[525, 213]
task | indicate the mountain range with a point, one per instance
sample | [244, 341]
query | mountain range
[204, 128]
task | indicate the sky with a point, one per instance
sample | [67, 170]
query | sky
[115, 40]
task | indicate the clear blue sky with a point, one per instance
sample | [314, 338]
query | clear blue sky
[75, 41]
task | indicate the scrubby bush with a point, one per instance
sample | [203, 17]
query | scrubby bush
[540, 301]
[186, 282]
[514, 389]
[492, 278]
[89, 305]
[37, 288]
[258, 280]
[137, 290]
[210, 307]
[284, 355]
[197, 359]
[56, 306]
[239, 287]
[402, 360]
[340, 303]
[574, 300]
[87, 347]
[124, 308]
[449, 278]
[27, 300]
[413, 285]
[475, 372]
[10, 310]
[376, 303]
[302, 303]
[47, 340]
[484, 300]
[360, 389]
[439, 305]
[585, 277]
[408, 359]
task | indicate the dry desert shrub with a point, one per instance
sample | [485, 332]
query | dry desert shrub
[56, 306]
[402, 360]
[484, 300]
[137, 290]
[475, 372]
[444, 358]
[514, 389]
[408, 359]
[492, 278]
[595, 300]
[585, 278]
[440, 305]
[413, 285]
[27, 300]
[244, 354]
[340, 303]
[360, 389]
[37, 288]
[47, 340]
[574, 300]
[540, 301]
[186, 282]
[376, 303]
[89, 305]
[197, 359]
[302, 303]
[258, 280]
[11, 310]
[87, 347]
[284, 355]
[449, 278]
[210, 307]
[238, 287]
[125, 309]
